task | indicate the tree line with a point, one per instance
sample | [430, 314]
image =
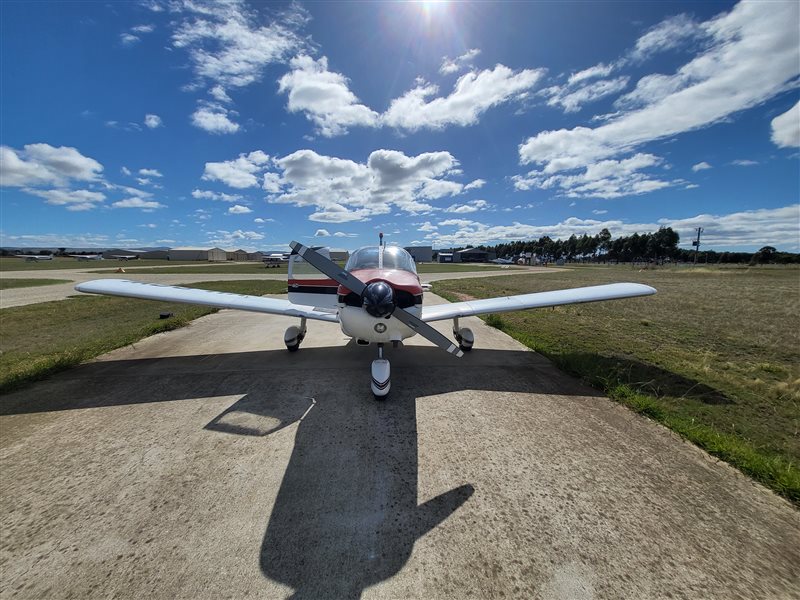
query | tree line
[659, 246]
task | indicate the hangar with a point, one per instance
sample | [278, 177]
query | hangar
[420, 253]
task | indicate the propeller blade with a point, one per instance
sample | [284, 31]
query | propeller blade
[426, 331]
[329, 268]
[352, 283]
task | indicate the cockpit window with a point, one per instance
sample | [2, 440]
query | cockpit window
[393, 258]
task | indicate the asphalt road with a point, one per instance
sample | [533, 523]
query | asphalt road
[208, 462]
[47, 293]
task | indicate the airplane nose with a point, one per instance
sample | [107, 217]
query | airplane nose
[378, 299]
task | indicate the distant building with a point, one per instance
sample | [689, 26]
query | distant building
[421, 253]
[217, 255]
[473, 255]
[256, 256]
[153, 254]
[446, 257]
[188, 254]
[237, 255]
[337, 254]
[114, 252]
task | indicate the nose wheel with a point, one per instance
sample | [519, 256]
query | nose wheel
[381, 373]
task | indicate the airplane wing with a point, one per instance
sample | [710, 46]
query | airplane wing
[170, 293]
[593, 293]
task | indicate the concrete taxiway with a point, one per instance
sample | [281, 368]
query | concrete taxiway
[208, 462]
[62, 291]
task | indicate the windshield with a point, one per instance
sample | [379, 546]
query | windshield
[393, 258]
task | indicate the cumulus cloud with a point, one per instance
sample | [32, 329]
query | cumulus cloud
[475, 185]
[150, 173]
[668, 34]
[228, 46]
[474, 93]
[343, 190]
[572, 98]
[214, 118]
[238, 238]
[701, 166]
[469, 207]
[239, 173]
[754, 42]
[262, 220]
[455, 65]
[238, 209]
[43, 164]
[209, 195]
[152, 121]
[145, 205]
[322, 233]
[220, 95]
[325, 97]
[786, 128]
[74, 200]
[744, 162]
[599, 70]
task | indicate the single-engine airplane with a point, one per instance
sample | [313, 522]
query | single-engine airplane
[34, 257]
[376, 298]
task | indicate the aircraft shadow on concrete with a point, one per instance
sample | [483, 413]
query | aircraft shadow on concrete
[347, 515]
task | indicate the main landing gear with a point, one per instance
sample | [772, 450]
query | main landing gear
[294, 336]
[464, 336]
[381, 373]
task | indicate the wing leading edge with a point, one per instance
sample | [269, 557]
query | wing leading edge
[595, 293]
[170, 293]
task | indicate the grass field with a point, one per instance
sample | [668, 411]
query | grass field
[9, 284]
[255, 268]
[8, 264]
[715, 355]
[41, 339]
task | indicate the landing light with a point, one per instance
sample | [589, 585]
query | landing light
[380, 327]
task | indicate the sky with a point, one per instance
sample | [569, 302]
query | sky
[189, 123]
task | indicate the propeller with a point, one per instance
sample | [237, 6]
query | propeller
[377, 297]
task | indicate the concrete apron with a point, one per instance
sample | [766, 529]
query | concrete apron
[209, 462]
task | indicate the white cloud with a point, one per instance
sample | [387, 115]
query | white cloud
[238, 209]
[744, 162]
[603, 179]
[475, 185]
[143, 28]
[209, 195]
[426, 226]
[668, 34]
[228, 46]
[125, 171]
[599, 70]
[148, 225]
[238, 173]
[146, 206]
[219, 94]
[73, 200]
[322, 233]
[238, 238]
[261, 220]
[55, 240]
[343, 190]
[571, 99]
[599, 212]
[152, 121]
[786, 128]
[754, 42]
[701, 166]
[325, 97]
[150, 173]
[474, 93]
[43, 164]
[128, 39]
[457, 64]
[469, 207]
[342, 234]
[214, 118]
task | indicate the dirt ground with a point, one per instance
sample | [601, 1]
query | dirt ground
[208, 462]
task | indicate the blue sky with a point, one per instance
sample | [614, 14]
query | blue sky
[249, 125]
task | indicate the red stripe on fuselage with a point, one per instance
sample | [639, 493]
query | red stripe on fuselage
[399, 280]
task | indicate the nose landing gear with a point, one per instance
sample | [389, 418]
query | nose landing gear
[464, 336]
[381, 373]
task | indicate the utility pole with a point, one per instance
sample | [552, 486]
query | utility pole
[696, 243]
